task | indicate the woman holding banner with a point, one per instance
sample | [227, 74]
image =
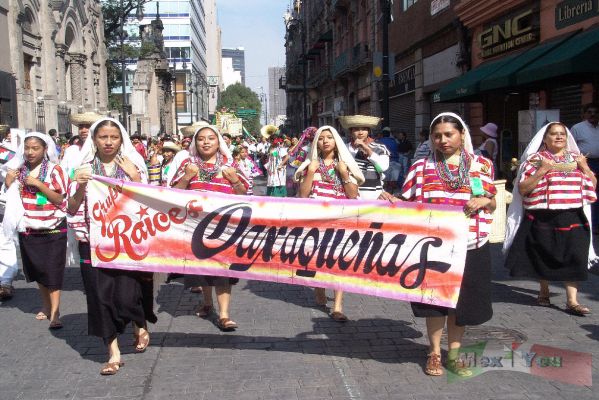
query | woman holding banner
[548, 235]
[329, 171]
[114, 297]
[209, 169]
[36, 209]
[454, 175]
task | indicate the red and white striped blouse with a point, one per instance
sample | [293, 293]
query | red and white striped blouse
[557, 190]
[46, 216]
[216, 184]
[423, 185]
[76, 221]
[324, 189]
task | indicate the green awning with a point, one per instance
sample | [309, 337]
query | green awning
[578, 55]
[468, 85]
[506, 76]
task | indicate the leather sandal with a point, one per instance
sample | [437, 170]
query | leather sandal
[433, 365]
[339, 316]
[577, 309]
[226, 324]
[205, 311]
[142, 341]
[56, 324]
[40, 316]
[111, 368]
[458, 369]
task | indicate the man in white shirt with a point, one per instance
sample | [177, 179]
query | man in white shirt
[586, 134]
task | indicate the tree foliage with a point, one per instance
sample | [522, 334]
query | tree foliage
[114, 13]
[238, 96]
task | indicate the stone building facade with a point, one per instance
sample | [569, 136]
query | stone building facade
[58, 60]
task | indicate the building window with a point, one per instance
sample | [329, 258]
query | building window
[408, 3]
[27, 66]
[181, 92]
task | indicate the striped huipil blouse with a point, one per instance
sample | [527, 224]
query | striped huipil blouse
[557, 190]
[216, 184]
[324, 189]
[423, 185]
[46, 216]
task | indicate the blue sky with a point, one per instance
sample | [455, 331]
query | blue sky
[257, 26]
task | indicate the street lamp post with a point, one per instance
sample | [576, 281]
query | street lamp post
[264, 100]
[190, 86]
[173, 70]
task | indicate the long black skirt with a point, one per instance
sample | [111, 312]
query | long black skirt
[115, 297]
[474, 305]
[44, 255]
[552, 245]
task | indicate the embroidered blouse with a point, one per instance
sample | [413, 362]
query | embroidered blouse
[47, 215]
[217, 184]
[423, 185]
[557, 190]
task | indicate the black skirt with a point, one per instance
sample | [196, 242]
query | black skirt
[44, 255]
[474, 305]
[115, 297]
[552, 245]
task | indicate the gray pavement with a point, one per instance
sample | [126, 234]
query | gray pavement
[285, 348]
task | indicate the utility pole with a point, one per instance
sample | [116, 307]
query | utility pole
[386, 8]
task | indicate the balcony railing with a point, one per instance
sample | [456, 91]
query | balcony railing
[342, 64]
[360, 55]
[316, 79]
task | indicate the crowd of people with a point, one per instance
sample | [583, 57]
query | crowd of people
[548, 234]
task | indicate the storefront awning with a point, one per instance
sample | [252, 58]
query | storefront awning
[577, 55]
[468, 85]
[505, 77]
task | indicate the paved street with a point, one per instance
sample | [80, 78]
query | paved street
[285, 348]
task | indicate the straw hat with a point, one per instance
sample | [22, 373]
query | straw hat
[359, 121]
[86, 118]
[190, 130]
[168, 145]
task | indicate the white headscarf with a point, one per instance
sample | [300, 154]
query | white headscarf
[516, 211]
[467, 139]
[14, 212]
[342, 152]
[222, 146]
[88, 151]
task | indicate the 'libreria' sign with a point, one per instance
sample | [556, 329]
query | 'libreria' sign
[571, 12]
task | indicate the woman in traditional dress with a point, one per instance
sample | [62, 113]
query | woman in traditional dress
[245, 164]
[276, 175]
[114, 297]
[159, 170]
[548, 236]
[36, 208]
[454, 175]
[209, 169]
[329, 172]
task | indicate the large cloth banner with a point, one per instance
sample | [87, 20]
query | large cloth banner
[404, 251]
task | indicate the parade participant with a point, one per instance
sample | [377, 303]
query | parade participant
[208, 168]
[188, 132]
[489, 147]
[36, 209]
[454, 175]
[276, 168]
[548, 234]
[249, 169]
[159, 170]
[298, 153]
[114, 297]
[72, 154]
[330, 171]
[586, 135]
[372, 157]
[139, 146]
[9, 267]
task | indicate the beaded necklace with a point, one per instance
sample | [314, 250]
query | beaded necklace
[25, 170]
[329, 175]
[206, 172]
[450, 179]
[567, 158]
[99, 169]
